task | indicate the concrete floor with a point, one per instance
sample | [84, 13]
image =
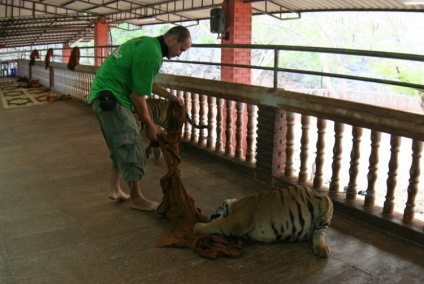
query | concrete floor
[58, 226]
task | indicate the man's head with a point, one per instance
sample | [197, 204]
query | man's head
[178, 40]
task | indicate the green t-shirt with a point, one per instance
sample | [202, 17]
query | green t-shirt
[132, 67]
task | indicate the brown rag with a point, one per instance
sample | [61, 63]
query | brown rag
[74, 58]
[212, 246]
[178, 206]
[34, 55]
[48, 58]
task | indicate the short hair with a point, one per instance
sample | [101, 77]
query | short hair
[181, 32]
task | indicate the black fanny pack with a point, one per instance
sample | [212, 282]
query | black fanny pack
[107, 101]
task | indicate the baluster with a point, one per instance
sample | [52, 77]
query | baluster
[86, 86]
[58, 79]
[229, 128]
[187, 126]
[319, 160]
[251, 133]
[304, 148]
[80, 86]
[288, 170]
[372, 169]
[194, 117]
[61, 81]
[180, 94]
[90, 79]
[64, 81]
[74, 83]
[389, 203]
[219, 147]
[202, 120]
[83, 86]
[355, 154]
[211, 123]
[414, 178]
[337, 157]
[239, 131]
[69, 83]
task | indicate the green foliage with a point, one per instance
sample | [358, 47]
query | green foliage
[378, 31]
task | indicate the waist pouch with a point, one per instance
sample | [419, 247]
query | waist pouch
[107, 101]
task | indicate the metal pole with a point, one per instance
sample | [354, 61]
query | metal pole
[276, 53]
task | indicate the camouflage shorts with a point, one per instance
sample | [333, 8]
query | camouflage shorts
[122, 135]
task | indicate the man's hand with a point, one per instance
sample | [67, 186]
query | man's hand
[152, 132]
[140, 105]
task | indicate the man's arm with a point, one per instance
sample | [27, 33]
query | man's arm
[158, 90]
[140, 105]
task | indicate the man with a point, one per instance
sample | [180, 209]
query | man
[120, 86]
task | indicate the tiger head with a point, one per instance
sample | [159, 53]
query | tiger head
[224, 210]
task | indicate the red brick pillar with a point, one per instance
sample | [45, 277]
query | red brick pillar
[66, 52]
[239, 31]
[101, 38]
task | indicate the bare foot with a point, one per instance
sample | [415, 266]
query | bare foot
[144, 205]
[119, 196]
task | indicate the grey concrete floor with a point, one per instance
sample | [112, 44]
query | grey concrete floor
[58, 226]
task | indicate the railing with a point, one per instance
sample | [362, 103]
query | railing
[276, 69]
[273, 139]
[354, 151]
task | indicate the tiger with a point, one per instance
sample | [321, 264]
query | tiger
[158, 109]
[295, 213]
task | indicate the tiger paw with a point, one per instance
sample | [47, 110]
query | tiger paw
[322, 251]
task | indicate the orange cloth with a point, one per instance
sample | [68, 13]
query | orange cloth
[74, 58]
[178, 206]
[48, 58]
[34, 55]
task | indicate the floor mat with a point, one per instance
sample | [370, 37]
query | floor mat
[13, 94]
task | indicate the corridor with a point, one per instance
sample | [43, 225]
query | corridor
[58, 226]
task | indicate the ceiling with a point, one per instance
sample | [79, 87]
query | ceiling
[26, 23]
